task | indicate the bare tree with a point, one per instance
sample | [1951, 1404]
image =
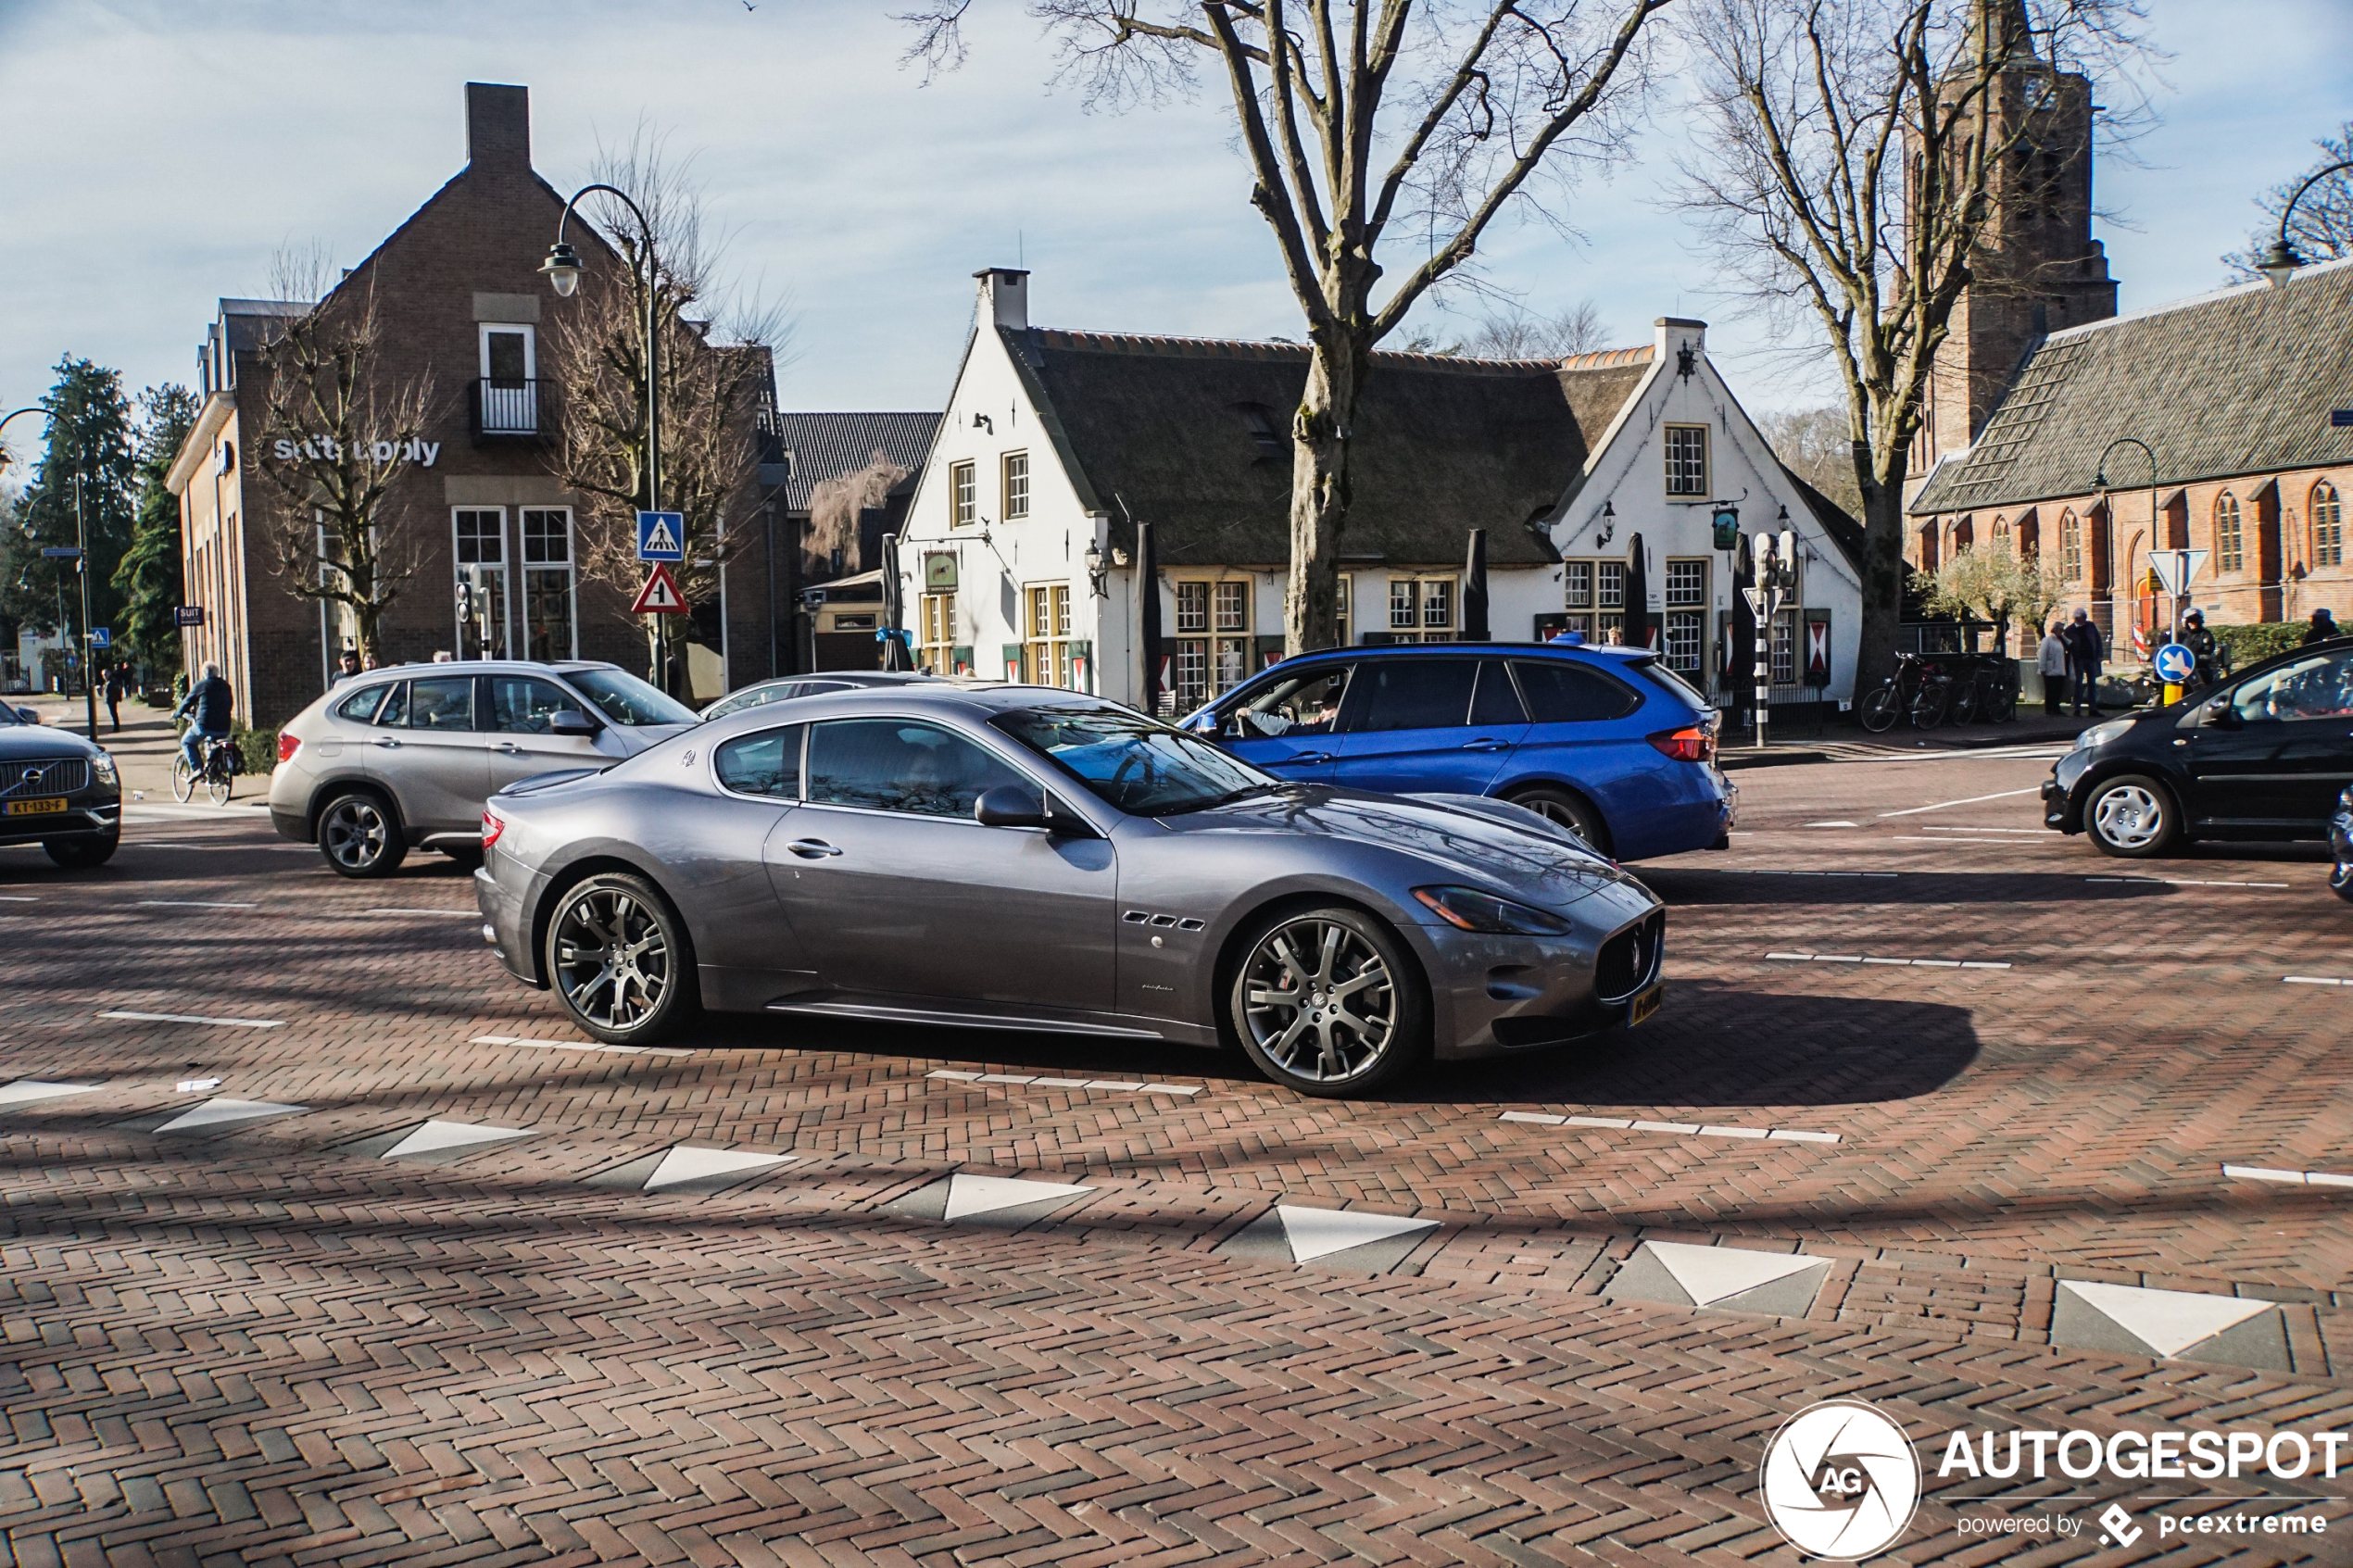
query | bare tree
[1813, 444]
[1525, 335]
[715, 377]
[338, 433]
[2323, 227]
[1422, 118]
[1854, 155]
[835, 503]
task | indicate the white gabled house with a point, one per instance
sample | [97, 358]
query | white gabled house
[1016, 558]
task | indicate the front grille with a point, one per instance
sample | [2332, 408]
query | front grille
[58, 775]
[1629, 960]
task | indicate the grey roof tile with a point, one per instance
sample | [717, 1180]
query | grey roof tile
[829, 446]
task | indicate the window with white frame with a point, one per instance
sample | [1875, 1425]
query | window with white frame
[1784, 649]
[1212, 638]
[1421, 609]
[1685, 631]
[1016, 483]
[1047, 649]
[963, 496]
[2328, 525]
[508, 394]
[479, 551]
[1687, 459]
[2230, 535]
[550, 617]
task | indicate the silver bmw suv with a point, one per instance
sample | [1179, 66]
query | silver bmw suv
[404, 757]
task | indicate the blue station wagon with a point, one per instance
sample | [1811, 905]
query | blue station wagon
[1606, 741]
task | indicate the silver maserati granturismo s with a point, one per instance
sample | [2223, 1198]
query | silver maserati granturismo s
[1022, 858]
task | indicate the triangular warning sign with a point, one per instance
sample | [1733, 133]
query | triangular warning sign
[660, 596]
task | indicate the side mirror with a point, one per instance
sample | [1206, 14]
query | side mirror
[1010, 807]
[2219, 714]
[29, 715]
[571, 721]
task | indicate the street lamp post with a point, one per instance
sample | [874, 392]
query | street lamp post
[82, 569]
[563, 267]
[2099, 479]
[2280, 260]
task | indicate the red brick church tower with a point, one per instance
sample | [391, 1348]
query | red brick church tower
[2038, 268]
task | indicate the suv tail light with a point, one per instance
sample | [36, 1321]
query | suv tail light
[492, 826]
[1691, 744]
[287, 746]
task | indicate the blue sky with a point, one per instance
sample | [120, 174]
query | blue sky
[157, 153]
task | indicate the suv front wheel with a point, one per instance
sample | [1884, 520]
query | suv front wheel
[360, 836]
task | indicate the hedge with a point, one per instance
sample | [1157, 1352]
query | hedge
[2261, 640]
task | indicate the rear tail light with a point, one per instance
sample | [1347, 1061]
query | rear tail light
[492, 826]
[287, 746]
[1691, 744]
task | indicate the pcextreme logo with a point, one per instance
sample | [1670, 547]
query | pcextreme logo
[1840, 1481]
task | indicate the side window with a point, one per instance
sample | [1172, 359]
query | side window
[1303, 705]
[396, 708]
[519, 705]
[899, 765]
[2317, 688]
[766, 763]
[1561, 691]
[446, 704]
[360, 706]
[1495, 702]
[819, 688]
[1414, 694]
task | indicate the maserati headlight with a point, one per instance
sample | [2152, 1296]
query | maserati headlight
[1467, 908]
[103, 766]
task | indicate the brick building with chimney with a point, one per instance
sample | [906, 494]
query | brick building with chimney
[458, 298]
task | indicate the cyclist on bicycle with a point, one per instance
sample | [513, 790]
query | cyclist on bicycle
[209, 709]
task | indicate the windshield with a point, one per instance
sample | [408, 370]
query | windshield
[626, 699]
[1145, 769]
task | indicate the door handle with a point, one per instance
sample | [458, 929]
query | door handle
[1310, 757]
[389, 743]
[1486, 745]
[811, 848]
[510, 748]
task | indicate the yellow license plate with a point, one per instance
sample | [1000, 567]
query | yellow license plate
[1645, 1005]
[35, 808]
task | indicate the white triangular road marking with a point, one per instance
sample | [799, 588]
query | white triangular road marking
[968, 1195]
[222, 1112]
[30, 1091]
[436, 1136]
[1710, 1273]
[1313, 1233]
[688, 1164]
[2168, 1322]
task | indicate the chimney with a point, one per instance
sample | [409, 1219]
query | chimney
[1005, 296]
[498, 128]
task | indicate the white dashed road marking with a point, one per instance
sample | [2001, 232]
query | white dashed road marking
[32, 1091]
[1130, 1086]
[577, 1045]
[2181, 882]
[195, 1018]
[1898, 963]
[190, 904]
[2313, 980]
[1941, 805]
[454, 914]
[2296, 1178]
[1688, 1129]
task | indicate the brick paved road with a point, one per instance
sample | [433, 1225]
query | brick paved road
[259, 1339]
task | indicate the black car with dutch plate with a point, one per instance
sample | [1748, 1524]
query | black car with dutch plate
[2265, 755]
[57, 790]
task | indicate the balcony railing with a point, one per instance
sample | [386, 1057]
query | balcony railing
[506, 409]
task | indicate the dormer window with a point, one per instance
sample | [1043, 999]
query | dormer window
[1259, 421]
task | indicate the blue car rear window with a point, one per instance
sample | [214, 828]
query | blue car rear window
[1561, 691]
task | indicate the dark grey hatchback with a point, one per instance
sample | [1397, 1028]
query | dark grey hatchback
[57, 790]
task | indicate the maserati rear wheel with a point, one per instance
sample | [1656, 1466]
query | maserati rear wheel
[617, 959]
[1330, 1002]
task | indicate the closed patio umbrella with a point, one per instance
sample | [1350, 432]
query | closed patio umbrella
[1474, 589]
[1638, 597]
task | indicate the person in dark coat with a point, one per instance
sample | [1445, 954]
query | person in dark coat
[2323, 627]
[2205, 646]
[116, 679]
[2084, 653]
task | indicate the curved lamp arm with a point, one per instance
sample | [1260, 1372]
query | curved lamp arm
[2100, 478]
[2279, 262]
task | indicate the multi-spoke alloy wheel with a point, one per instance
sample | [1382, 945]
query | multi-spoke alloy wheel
[359, 837]
[616, 956]
[1326, 1001]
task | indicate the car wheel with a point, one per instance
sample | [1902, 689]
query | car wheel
[2132, 816]
[80, 854]
[360, 837]
[616, 960]
[1330, 1002]
[1564, 809]
[2341, 880]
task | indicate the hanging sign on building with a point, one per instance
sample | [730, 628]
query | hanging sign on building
[940, 572]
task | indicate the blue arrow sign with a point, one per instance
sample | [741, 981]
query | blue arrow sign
[661, 537]
[2175, 664]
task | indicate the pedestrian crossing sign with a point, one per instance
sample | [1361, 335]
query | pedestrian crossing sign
[661, 537]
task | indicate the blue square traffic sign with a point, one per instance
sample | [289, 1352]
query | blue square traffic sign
[661, 537]
[102, 637]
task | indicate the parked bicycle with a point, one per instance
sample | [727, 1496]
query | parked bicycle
[1929, 689]
[218, 777]
[1987, 690]
[1916, 688]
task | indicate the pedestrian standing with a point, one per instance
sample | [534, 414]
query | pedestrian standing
[2085, 649]
[114, 695]
[2323, 627]
[346, 666]
[2050, 662]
